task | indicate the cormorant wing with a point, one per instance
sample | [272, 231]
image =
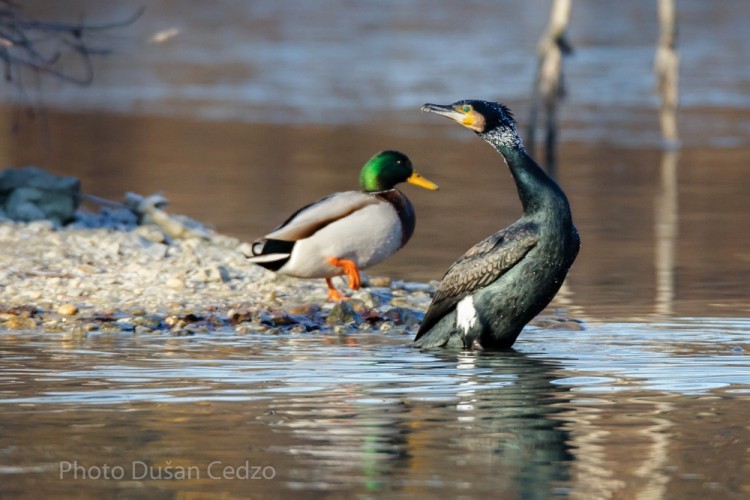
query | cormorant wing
[481, 265]
[311, 218]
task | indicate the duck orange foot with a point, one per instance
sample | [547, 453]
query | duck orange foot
[352, 272]
[333, 294]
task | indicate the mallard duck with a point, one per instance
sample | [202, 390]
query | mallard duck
[347, 231]
[488, 295]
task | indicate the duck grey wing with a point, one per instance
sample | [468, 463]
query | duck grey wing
[484, 263]
[310, 219]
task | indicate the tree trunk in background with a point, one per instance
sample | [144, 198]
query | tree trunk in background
[548, 85]
[666, 67]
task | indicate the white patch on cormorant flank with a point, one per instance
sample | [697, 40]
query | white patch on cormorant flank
[466, 315]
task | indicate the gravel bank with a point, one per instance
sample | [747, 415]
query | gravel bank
[106, 273]
[133, 268]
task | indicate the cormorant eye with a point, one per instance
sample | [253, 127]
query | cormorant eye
[467, 108]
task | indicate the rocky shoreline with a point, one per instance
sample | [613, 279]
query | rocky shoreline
[134, 268]
[80, 280]
[87, 277]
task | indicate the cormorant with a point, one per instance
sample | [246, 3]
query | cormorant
[488, 295]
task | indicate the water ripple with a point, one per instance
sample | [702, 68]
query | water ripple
[685, 356]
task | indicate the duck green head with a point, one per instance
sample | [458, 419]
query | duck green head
[388, 168]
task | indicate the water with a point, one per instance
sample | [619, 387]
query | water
[614, 410]
[341, 62]
[255, 109]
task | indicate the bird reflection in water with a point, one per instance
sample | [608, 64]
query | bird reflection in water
[478, 422]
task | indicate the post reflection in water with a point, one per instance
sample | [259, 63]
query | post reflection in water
[666, 223]
[479, 422]
[599, 470]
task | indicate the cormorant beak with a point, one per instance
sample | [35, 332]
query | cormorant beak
[449, 111]
[420, 181]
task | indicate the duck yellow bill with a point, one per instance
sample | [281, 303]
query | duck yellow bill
[420, 181]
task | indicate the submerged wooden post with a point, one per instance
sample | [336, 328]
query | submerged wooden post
[666, 66]
[548, 85]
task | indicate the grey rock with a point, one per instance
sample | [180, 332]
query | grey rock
[13, 178]
[342, 313]
[31, 193]
[155, 251]
[214, 274]
[404, 316]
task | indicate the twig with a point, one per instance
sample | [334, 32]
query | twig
[40, 46]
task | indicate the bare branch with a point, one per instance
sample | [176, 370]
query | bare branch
[44, 47]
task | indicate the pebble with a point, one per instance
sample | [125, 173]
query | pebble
[87, 269]
[125, 326]
[404, 316]
[20, 323]
[386, 326]
[75, 333]
[557, 323]
[176, 283]
[379, 281]
[343, 312]
[242, 329]
[67, 310]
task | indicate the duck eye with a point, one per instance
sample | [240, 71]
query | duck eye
[467, 108]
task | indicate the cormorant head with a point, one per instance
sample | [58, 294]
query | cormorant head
[388, 168]
[488, 119]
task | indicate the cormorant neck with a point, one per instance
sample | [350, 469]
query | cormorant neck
[536, 190]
